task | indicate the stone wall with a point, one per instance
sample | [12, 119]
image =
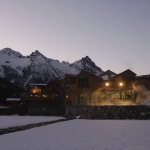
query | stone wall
[139, 112]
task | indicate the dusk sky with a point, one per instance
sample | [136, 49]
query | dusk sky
[115, 34]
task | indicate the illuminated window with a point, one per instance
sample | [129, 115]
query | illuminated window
[35, 90]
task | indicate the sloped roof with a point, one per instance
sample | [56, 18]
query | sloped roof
[13, 99]
[107, 75]
[126, 71]
[85, 72]
[143, 76]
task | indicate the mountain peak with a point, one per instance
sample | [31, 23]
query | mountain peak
[8, 51]
[36, 54]
[86, 59]
[88, 65]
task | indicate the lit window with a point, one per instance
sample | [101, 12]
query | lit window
[35, 90]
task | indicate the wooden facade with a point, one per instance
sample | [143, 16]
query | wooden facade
[88, 89]
[121, 86]
[84, 89]
[45, 98]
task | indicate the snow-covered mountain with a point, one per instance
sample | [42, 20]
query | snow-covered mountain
[21, 70]
[88, 65]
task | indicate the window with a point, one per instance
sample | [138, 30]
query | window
[35, 90]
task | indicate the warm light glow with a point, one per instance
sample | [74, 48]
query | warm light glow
[120, 84]
[44, 95]
[35, 90]
[107, 84]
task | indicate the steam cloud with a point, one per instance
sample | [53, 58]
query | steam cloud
[142, 94]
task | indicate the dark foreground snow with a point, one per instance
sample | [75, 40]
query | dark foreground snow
[15, 120]
[82, 135]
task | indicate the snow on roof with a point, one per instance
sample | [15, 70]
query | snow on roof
[142, 76]
[13, 99]
[105, 77]
[113, 75]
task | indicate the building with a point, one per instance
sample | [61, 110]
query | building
[76, 91]
[120, 87]
[45, 98]
[8, 90]
[89, 89]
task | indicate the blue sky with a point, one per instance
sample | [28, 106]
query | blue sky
[115, 34]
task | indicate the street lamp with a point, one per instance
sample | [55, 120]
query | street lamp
[121, 84]
[106, 84]
[68, 99]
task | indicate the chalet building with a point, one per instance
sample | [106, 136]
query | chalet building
[80, 88]
[121, 86]
[88, 89]
[108, 88]
[45, 98]
[9, 90]
[76, 91]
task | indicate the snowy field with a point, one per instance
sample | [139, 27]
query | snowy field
[82, 135]
[15, 120]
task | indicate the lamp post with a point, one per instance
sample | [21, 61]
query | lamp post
[106, 84]
[68, 99]
[121, 85]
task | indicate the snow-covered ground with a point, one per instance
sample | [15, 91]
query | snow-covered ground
[15, 120]
[82, 135]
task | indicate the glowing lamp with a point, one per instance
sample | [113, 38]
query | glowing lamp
[107, 84]
[120, 84]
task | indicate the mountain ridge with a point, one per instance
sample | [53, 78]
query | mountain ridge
[36, 67]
